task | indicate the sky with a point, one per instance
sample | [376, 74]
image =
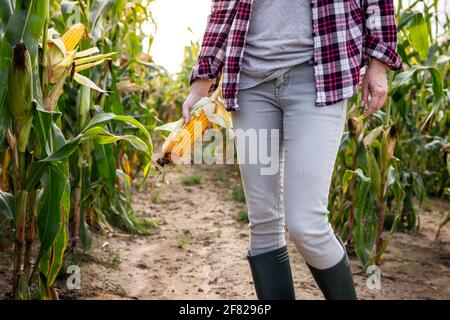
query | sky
[175, 17]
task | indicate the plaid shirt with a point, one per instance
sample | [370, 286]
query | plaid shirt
[346, 34]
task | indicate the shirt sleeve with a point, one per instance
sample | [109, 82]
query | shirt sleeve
[380, 40]
[211, 58]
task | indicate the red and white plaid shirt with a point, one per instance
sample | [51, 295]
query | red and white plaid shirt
[346, 34]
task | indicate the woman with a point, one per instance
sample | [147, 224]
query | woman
[289, 67]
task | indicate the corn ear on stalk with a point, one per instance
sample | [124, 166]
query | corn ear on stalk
[20, 93]
[388, 142]
[355, 126]
[63, 57]
[73, 36]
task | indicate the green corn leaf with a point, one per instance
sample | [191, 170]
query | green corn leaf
[49, 217]
[53, 260]
[418, 33]
[106, 117]
[26, 23]
[42, 123]
[101, 136]
[362, 243]
[71, 9]
[98, 10]
[6, 11]
[7, 205]
[105, 166]
[348, 175]
[374, 173]
[406, 18]
[405, 78]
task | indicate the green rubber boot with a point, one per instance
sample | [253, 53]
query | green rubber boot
[336, 283]
[272, 275]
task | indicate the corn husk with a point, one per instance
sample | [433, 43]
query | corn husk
[63, 55]
[20, 93]
[207, 112]
[355, 126]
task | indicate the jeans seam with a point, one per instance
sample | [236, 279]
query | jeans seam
[279, 194]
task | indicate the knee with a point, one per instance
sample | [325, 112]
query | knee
[309, 237]
[299, 233]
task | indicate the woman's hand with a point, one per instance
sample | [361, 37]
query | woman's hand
[199, 90]
[375, 82]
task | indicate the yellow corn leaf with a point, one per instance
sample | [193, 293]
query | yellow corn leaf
[88, 65]
[86, 53]
[87, 82]
[94, 58]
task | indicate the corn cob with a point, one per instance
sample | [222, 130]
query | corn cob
[355, 126]
[73, 36]
[20, 93]
[388, 142]
[184, 141]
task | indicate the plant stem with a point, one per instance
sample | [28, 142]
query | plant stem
[351, 213]
[30, 233]
[389, 103]
[15, 158]
[77, 206]
[380, 227]
[22, 167]
[44, 51]
[21, 209]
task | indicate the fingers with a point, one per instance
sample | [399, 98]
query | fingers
[374, 100]
[377, 101]
[365, 93]
[186, 110]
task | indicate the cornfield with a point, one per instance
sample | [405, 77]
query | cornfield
[81, 103]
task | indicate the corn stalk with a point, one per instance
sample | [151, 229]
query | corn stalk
[41, 170]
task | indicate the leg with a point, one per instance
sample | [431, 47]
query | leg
[312, 137]
[259, 114]
[268, 257]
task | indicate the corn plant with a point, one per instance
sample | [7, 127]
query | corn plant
[400, 153]
[102, 177]
[35, 65]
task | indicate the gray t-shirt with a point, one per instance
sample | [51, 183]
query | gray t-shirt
[279, 38]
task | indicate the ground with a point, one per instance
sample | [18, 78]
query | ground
[198, 250]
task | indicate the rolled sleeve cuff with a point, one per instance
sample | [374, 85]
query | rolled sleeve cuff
[374, 47]
[206, 69]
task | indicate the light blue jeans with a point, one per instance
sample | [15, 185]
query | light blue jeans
[297, 193]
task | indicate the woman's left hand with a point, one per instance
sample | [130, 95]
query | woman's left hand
[375, 82]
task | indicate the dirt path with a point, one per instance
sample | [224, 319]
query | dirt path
[198, 251]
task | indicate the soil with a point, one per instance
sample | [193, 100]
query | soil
[198, 250]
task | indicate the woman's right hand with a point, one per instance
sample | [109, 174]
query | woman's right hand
[199, 89]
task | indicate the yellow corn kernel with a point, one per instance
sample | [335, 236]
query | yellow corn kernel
[180, 144]
[73, 36]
